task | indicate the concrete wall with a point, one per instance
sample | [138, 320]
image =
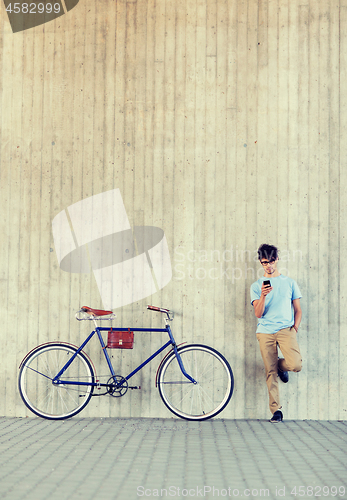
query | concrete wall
[222, 122]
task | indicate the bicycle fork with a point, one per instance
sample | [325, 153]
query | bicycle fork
[178, 357]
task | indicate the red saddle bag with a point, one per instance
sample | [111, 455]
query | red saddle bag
[120, 340]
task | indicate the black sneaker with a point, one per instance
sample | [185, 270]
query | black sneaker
[283, 375]
[277, 417]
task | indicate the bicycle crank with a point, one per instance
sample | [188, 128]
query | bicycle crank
[117, 386]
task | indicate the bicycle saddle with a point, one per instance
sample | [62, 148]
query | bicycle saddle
[95, 312]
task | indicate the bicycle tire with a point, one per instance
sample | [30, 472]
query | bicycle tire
[48, 400]
[214, 388]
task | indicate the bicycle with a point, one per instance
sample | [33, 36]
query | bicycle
[57, 379]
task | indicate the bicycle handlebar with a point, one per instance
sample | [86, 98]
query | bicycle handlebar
[162, 310]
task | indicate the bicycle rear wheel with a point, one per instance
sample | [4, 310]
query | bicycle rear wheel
[48, 400]
[214, 387]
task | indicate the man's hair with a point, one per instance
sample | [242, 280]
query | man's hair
[268, 252]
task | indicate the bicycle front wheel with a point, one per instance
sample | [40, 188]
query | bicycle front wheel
[214, 382]
[55, 401]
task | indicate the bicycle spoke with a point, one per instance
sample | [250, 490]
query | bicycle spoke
[40, 373]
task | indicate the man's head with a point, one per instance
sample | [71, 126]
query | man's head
[267, 252]
[268, 257]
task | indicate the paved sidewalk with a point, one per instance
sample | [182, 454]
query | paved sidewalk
[168, 458]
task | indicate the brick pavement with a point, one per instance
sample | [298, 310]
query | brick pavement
[129, 459]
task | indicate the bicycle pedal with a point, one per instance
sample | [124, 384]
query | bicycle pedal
[134, 387]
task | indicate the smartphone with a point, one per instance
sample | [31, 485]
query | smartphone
[267, 283]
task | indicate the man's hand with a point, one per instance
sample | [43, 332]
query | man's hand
[265, 290]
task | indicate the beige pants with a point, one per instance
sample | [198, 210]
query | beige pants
[286, 340]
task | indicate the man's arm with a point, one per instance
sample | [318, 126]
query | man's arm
[297, 313]
[259, 305]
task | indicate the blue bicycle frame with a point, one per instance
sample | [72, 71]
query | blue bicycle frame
[57, 380]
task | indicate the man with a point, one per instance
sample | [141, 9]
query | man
[278, 310]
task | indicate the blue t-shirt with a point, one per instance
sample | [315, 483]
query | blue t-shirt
[278, 312]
